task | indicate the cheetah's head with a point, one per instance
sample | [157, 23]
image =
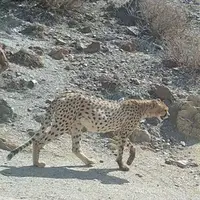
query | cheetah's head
[158, 109]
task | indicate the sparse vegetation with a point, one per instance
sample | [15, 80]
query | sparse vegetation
[184, 49]
[60, 4]
[168, 24]
[168, 21]
[163, 18]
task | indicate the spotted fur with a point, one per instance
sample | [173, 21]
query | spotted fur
[72, 112]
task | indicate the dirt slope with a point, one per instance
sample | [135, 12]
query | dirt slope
[66, 178]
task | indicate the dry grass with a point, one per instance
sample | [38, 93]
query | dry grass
[184, 49]
[163, 18]
[61, 4]
[168, 22]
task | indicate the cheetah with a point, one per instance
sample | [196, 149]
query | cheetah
[71, 112]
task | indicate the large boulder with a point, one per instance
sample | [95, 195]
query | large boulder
[27, 59]
[6, 112]
[3, 60]
[188, 117]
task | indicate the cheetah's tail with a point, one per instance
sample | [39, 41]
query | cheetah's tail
[19, 149]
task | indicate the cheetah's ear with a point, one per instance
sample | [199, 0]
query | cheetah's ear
[158, 99]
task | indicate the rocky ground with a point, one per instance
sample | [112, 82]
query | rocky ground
[94, 50]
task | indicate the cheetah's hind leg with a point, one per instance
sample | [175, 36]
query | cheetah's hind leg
[119, 160]
[131, 153]
[36, 152]
[37, 146]
[76, 148]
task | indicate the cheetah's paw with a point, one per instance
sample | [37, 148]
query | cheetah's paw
[40, 165]
[90, 162]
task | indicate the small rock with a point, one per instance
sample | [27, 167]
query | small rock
[39, 118]
[38, 50]
[182, 163]
[31, 132]
[162, 92]
[68, 67]
[121, 99]
[18, 74]
[176, 69]
[48, 101]
[183, 143]
[85, 29]
[31, 84]
[177, 185]
[60, 41]
[192, 164]
[105, 49]
[135, 81]
[133, 30]
[169, 161]
[73, 23]
[169, 63]
[129, 46]
[15, 84]
[93, 47]
[35, 29]
[29, 109]
[3, 60]
[166, 145]
[90, 16]
[78, 45]
[165, 81]
[59, 53]
[25, 58]
[101, 161]
[139, 175]
[108, 82]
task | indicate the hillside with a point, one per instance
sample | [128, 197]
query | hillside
[98, 48]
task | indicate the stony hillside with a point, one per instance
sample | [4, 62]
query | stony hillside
[96, 48]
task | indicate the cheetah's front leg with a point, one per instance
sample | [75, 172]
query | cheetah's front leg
[36, 152]
[119, 160]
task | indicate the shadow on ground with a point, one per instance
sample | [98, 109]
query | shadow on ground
[64, 172]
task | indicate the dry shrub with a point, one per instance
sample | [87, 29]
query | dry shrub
[163, 17]
[61, 4]
[168, 21]
[184, 49]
